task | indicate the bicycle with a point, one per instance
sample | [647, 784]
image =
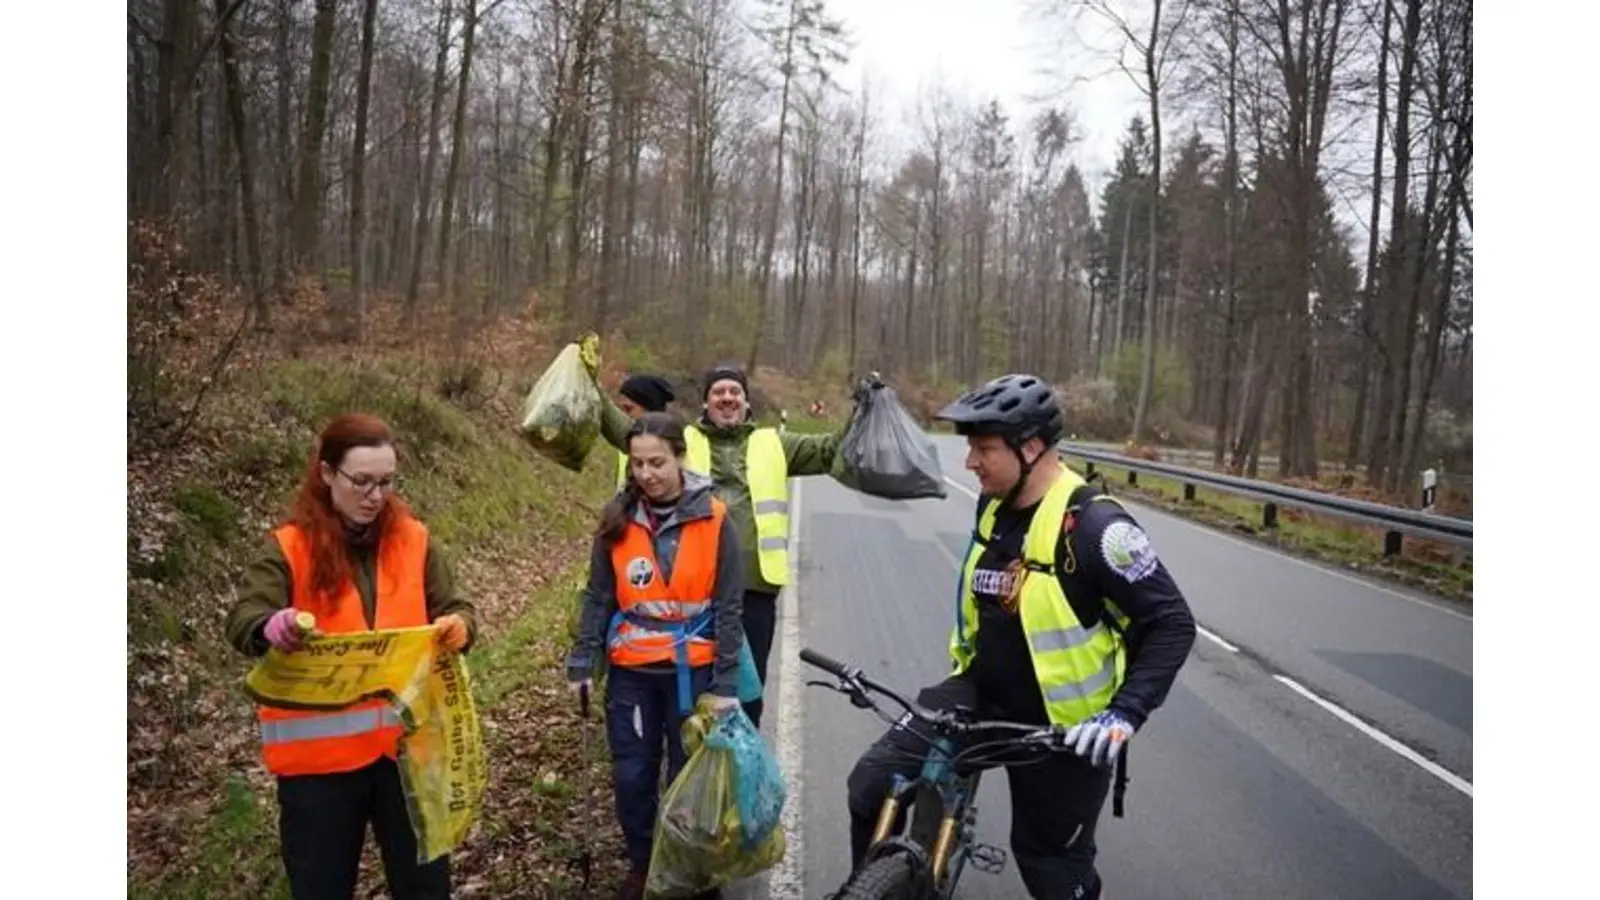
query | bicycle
[926, 860]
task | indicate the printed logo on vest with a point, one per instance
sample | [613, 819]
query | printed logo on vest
[641, 572]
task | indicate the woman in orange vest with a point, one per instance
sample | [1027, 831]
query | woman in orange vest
[353, 555]
[664, 600]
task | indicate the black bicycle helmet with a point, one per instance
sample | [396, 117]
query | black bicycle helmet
[1015, 407]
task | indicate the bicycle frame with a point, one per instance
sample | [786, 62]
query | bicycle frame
[939, 836]
[939, 787]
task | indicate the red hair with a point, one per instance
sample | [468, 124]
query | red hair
[313, 508]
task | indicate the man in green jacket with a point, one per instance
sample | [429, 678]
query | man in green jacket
[750, 466]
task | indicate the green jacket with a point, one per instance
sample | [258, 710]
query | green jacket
[807, 454]
[267, 586]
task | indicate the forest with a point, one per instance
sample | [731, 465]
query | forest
[1279, 263]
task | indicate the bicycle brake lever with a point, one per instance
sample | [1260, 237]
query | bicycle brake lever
[858, 695]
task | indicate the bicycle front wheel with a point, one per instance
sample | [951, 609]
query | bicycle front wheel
[888, 878]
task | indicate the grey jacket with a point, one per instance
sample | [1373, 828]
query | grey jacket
[727, 602]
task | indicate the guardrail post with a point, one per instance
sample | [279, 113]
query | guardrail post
[1269, 515]
[1133, 477]
[1188, 493]
[1088, 470]
[1391, 543]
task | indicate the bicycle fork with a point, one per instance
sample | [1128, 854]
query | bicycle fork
[957, 816]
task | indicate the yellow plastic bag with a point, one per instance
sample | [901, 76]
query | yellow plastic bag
[699, 839]
[442, 764]
[561, 415]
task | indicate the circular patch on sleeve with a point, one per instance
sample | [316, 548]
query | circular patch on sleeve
[1127, 550]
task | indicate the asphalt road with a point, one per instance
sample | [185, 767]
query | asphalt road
[1318, 743]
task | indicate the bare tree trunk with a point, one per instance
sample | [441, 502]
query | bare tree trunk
[174, 71]
[425, 201]
[1122, 280]
[1390, 409]
[770, 239]
[1147, 372]
[1230, 239]
[1367, 340]
[228, 50]
[858, 157]
[615, 148]
[358, 177]
[458, 148]
[308, 190]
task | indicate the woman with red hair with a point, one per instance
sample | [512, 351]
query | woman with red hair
[353, 555]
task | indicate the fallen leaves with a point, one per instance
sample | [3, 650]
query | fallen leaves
[192, 749]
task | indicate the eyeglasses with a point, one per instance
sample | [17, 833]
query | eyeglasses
[367, 486]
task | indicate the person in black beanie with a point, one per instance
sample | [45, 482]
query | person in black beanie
[640, 393]
[750, 466]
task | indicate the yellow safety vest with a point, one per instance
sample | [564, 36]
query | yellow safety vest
[1079, 668]
[766, 471]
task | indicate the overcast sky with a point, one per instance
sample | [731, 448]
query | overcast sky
[983, 49]
[999, 48]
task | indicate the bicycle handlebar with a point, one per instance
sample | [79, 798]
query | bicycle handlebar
[858, 684]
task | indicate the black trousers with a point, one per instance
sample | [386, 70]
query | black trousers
[760, 622]
[324, 825]
[1054, 803]
[642, 719]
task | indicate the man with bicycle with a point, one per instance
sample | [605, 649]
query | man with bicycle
[1067, 618]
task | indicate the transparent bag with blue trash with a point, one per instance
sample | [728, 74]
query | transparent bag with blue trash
[720, 820]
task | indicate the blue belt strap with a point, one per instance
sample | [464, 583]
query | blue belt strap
[682, 632]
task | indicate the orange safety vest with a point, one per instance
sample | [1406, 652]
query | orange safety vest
[299, 742]
[656, 620]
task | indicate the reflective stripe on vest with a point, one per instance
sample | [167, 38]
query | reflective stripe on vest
[655, 617]
[320, 726]
[766, 472]
[1079, 667]
[303, 742]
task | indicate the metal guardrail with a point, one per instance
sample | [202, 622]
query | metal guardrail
[1191, 455]
[1395, 521]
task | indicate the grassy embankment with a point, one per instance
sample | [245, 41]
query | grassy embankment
[202, 814]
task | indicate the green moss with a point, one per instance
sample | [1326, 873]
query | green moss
[212, 513]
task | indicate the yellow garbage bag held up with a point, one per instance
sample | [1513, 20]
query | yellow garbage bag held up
[443, 770]
[561, 415]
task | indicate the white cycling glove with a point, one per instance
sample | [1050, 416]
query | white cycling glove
[1099, 738]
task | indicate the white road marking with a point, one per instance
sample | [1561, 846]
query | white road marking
[1427, 765]
[1215, 638]
[1385, 740]
[786, 880]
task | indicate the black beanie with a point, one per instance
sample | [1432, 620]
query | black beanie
[649, 391]
[723, 372]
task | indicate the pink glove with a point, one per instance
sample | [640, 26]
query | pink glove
[282, 632]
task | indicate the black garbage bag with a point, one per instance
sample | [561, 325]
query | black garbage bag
[884, 452]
